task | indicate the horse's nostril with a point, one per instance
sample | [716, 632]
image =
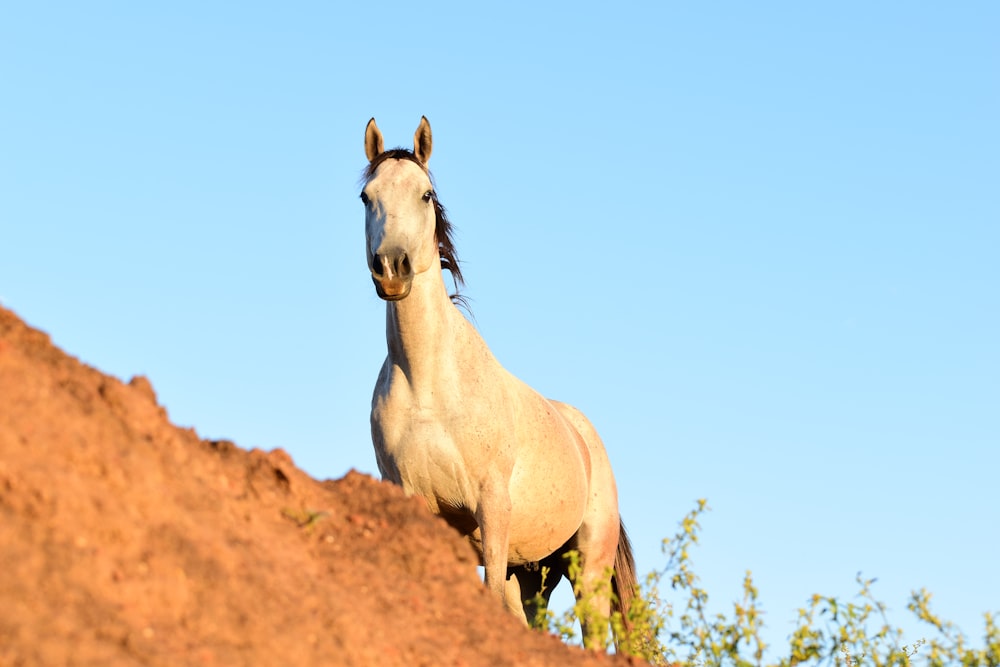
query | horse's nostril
[394, 264]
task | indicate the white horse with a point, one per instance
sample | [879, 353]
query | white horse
[524, 478]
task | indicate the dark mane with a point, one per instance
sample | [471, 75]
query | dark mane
[442, 226]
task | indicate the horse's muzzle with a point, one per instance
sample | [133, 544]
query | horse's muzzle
[392, 274]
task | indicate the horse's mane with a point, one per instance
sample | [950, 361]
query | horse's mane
[442, 226]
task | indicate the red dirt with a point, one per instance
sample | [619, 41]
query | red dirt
[125, 540]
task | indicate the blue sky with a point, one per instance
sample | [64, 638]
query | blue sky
[756, 244]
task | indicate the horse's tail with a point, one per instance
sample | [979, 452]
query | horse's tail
[624, 582]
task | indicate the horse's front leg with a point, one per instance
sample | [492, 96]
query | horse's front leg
[493, 517]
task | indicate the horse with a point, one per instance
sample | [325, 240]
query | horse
[525, 479]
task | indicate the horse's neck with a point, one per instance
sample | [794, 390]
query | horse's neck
[421, 329]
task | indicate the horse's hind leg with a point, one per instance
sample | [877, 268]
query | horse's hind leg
[597, 539]
[592, 587]
[529, 587]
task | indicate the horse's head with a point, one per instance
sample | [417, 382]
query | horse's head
[403, 219]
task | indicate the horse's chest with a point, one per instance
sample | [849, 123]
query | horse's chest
[421, 451]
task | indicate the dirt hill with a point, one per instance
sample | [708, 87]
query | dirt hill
[125, 540]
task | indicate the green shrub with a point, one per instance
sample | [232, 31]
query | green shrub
[828, 631]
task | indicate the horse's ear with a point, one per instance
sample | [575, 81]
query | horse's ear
[373, 141]
[422, 141]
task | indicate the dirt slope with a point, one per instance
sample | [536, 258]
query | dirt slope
[125, 540]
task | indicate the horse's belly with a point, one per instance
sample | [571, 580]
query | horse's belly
[547, 509]
[530, 541]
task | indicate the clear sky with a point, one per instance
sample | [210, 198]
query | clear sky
[758, 244]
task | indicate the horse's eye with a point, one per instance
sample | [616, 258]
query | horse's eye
[364, 199]
[429, 195]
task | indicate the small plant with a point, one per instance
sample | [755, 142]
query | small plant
[305, 518]
[828, 631]
[635, 635]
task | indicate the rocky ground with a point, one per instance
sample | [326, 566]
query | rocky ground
[125, 540]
